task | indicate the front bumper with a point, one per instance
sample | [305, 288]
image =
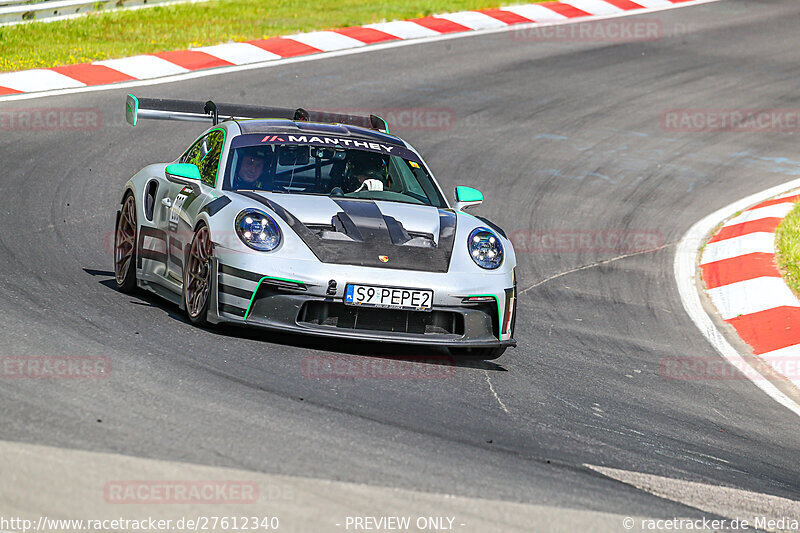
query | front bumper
[307, 307]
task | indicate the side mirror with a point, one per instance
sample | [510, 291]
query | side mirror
[467, 197]
[184, 174]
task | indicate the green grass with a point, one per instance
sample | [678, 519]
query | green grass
[787, 243]
[108, 35]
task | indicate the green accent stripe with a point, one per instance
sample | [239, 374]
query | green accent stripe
[499, 312]
[253, 297]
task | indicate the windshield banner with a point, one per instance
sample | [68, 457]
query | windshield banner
[323, 140]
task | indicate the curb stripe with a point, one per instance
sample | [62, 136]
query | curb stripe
[769, 330]
[37, 80]
[473, 20]
[143, 67]
[736, 246]
[741, 268]
[791, 199]
[285, 47]
[624, 4]
[403, 29]
[93, 74]
[535, 12]
[654, 3]
[566, 10]
[686, 271]
[185, 64]
[751, 296]
[594, 7]
[743, 281]
[193, 59]
[238, 53]
[777, 210]
[761, 225]
[327, 41]
[440, 25]
[508, 17]
[366, 35]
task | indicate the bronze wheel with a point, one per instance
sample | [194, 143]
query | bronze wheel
[125, 246]
[197, 276]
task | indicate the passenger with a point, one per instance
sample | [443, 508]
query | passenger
[366, 171]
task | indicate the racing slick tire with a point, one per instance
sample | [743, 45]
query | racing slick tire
[197, 279]
[479, 354]
[125, 246]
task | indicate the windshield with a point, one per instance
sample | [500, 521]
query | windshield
[329, 168]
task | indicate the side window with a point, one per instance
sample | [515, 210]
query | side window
[192, 153]
[209, 164]
[205, 154]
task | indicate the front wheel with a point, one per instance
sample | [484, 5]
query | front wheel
[125, 246]
[197, 277]
[478, 354]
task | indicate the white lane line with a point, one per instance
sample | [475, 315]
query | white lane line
[327, 41]
[473, 20]
[238, 53]
[403, 29]
[685, 268]
[728, 502]
[595, 7]
[751, 296]
[770, 211]
[143, 67]
[432, 37]
[761, 241]
[33, 80]
[535, 12]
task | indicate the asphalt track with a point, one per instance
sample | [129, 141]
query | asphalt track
[558, 136]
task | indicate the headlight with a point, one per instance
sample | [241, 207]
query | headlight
[257, 230]
[485, 248]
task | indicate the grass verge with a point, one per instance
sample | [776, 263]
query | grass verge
[108, 35]
[787, 244]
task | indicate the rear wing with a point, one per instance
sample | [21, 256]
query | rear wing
[194, 111]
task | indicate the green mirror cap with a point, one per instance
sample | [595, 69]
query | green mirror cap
[131, 109]
[184, 170]
[468, 194]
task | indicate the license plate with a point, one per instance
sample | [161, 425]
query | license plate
[388, 297]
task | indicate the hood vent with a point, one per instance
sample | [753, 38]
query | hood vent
[342, 228]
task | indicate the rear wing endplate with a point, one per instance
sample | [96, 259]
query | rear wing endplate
[195, 111]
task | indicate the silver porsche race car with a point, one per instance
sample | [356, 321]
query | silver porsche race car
[313, 223]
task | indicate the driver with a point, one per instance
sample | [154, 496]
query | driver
[366, 171]
[252, 170]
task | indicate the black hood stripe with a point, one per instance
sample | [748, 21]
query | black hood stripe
[367, 218]
[381, 237]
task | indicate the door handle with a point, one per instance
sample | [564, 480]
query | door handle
[166, 202]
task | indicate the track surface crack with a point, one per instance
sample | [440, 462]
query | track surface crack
[595, 264]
